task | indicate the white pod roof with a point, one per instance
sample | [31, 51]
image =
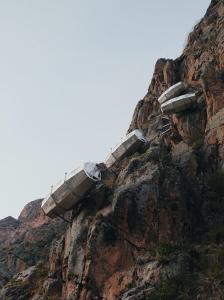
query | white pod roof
[172, 92]
[92, 171]
[138, 133]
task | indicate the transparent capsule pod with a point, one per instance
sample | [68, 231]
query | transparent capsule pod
[174, 91]
[68, 192]
[178, 104]
[129, 145]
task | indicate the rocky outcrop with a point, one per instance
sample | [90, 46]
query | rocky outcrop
[8, 222]
[25, 242]
[154, 228]
[7, 227]
[201, 68]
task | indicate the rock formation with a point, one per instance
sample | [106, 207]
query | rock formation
[154, 228]
[26, 242]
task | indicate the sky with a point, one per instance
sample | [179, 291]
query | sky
[71, 74]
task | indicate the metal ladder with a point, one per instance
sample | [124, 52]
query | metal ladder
[167, 127]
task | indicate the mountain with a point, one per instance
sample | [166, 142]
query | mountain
[26, 242]
[154, 228]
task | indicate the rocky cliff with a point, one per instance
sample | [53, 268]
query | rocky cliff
[154, 229]
[26, 242]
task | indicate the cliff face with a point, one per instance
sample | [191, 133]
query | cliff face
[155, 228]
[25, 242]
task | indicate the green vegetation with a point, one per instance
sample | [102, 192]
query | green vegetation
[13, 283]
[207, 273]
[211, 260]
[203, 276]
[163, 251]
[168, 290]
[215, 235]
[221, 75]
[196, 141]
[178, 288]
[42, 270]
[129, 286]
[216, 264]
[120, 280]
[216, 182]
[214, 197]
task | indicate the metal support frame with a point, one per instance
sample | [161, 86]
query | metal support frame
[165, 132]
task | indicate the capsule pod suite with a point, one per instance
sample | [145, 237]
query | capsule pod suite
[67, 193]
[128, 146]
[173, 91]
[178, 104]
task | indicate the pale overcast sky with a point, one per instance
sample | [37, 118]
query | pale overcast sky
[71, 73]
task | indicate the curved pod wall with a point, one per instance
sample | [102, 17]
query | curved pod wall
[66, 194]
[178, 104]
[130, 144]
[172, 92]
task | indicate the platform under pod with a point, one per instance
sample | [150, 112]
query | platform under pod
[172, 92]
[178, 104]
[129, 145]
[68, 192]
